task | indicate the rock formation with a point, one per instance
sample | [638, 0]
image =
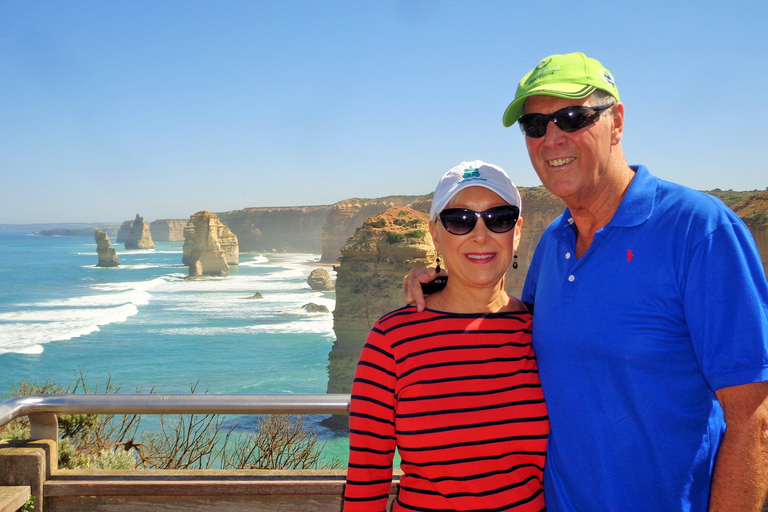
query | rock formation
[210, 247]
[754, 211]
[369, 280]
[106, 253]
[540, 208]
[122, 233]
[288, 229]
[139, 236]
[314, 308]
[168, 230]
[320, 280]
[346, 216]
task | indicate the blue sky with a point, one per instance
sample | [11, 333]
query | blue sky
[165, 108]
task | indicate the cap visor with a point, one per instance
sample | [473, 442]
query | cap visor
[567, 91]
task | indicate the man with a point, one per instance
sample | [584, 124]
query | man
[650, 320]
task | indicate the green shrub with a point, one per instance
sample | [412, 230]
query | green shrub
[395, 238]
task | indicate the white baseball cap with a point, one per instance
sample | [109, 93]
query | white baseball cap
[474, 174]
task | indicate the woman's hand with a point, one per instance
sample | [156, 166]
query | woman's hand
[412, 293]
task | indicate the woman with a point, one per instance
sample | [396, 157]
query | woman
[455, 387]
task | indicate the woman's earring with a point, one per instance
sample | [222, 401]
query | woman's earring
[514, 263]
[437, 268]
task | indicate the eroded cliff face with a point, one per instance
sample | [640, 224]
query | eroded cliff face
[210, 247]
[168, 230]
[346, 216]
[368, 282]
[540, 208]
[754, 211]
[288, 229]
[139, 236]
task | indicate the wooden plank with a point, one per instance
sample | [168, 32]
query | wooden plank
[190, 488]
[12, 498]
[196, 503]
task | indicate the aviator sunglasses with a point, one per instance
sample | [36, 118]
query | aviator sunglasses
[568, 119]
[460, 221]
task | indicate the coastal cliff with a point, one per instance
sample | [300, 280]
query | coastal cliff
[286, 229]
[754, 211]
[168, 230]
[210, 247]
[346, 216]
[369, 279]
[540, 208]
[139, 236]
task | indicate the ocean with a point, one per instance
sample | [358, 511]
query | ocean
[146, 327]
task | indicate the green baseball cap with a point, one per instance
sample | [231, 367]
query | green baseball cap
[570, 76]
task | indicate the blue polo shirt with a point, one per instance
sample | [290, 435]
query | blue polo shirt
[668, 305]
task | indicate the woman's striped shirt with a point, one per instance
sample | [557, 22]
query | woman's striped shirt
[459, 396]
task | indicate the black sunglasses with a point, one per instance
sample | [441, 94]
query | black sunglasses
[568, 119]
[460, 221]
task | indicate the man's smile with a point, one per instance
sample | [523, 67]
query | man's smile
[561, 161]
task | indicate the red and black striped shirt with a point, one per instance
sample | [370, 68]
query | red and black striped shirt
[459, 396]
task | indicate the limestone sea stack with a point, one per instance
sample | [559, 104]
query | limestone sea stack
[139, 237]
[210, 247]
[369, 279]
[320, 280]
[106, 253]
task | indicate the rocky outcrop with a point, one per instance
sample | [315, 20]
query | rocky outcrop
[369, 280]
[168, 230]
[754, 211]
[122, 233]
[320, 280]
[106, 253]
[346, 216]
[139, 236]
[210, 247]
[289, 229]
[540, 208]
[314, 308]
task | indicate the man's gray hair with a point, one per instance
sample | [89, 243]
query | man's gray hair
[600, 97]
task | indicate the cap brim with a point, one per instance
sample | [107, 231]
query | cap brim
[567, 91]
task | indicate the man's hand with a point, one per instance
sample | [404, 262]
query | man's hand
[412, 293]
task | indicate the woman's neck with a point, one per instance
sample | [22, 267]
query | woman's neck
[457, 299]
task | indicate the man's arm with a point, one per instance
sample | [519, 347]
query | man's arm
[740, 480]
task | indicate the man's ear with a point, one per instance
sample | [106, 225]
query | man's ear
[617, 131]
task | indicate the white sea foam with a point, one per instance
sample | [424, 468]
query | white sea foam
[26, 331]
[32, 325]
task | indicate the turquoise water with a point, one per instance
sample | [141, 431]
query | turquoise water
[147, 327]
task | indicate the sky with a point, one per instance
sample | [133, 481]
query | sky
[167, 107]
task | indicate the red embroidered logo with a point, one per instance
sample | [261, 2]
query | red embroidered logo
[629, 255]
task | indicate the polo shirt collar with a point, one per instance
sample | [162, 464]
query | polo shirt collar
[636, 206]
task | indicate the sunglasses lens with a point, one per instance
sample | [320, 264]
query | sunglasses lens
[501, 219]
[568, 119]
[534, 125]
[458, 221]
[572, 119]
